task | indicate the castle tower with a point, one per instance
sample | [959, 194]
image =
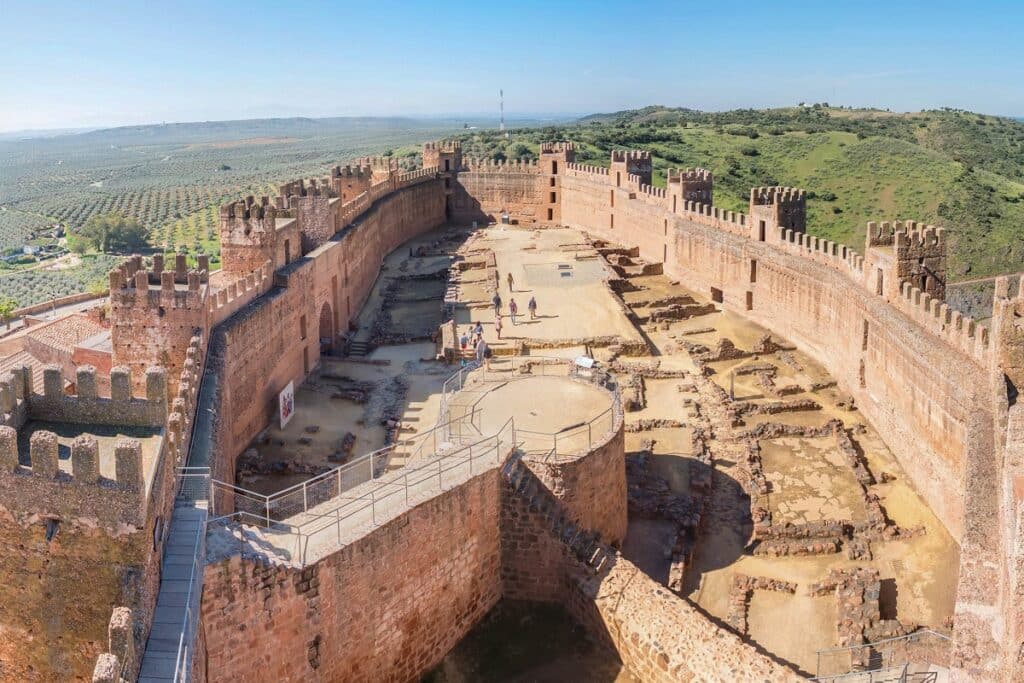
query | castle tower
[690, 185]
[446, 157]
[631, 162]
[155, 313]
[906, 252]
[553, 158]
[309, 202]
[775, 208]
[350, 181]
[248, 235]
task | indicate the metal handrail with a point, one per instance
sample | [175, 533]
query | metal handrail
[316, 522]
[879, 645]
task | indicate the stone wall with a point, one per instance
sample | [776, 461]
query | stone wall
[592, 487]
[276, 338]
[387, 607]
[922, 375]
[485, 190]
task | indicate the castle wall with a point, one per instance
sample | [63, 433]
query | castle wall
[275, 339]
[593, 487]
[487, 189]
[922, 396]
[388, 607]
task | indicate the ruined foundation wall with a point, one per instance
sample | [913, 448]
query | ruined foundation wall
[388, 607]
[276, 338]
[923, 396]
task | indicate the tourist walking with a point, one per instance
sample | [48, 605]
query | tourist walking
[497, 326]
[487, 356]
[532, 305]
[497, 305]
[479, 329]
[464, 341]
[510, 281]
[481, 350]
[513, 308]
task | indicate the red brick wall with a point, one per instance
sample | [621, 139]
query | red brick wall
[385, 608]
[263, 343]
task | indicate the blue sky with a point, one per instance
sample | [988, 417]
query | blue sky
[71, 64]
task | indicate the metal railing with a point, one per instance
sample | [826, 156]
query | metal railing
[922, 646]
[319, 489]
[318, 532]
[194, 487]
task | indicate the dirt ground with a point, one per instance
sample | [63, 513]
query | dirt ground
[808, 481]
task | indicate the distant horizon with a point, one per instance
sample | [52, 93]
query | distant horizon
[471, 118]
[71, 65]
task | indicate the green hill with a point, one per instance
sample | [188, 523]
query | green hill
[958, 169]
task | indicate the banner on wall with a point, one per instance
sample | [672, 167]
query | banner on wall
[286, 404]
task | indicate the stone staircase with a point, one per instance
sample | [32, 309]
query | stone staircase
[358, 348]
[584, 544]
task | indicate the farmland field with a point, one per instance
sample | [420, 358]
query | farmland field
[171, 178]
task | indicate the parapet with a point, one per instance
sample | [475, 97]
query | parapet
[132, 285]
[312, 187]
[450, 146]
[628, 155]
[85, 407]
[906, 234]
[33, 482]
[676, 175]
[249, 220]
[557, 147]
[355, 170]
[766, 196]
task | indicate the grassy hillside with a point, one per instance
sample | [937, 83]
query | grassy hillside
[961, 170]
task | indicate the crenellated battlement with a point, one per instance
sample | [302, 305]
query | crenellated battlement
[627, 155]
[132, 285]
[560, 147]
[354, 169]
[585, 169]
[479, 165]
[676, 175]
[448, 146]
[224, 302]
[311, 187]
[765, 196]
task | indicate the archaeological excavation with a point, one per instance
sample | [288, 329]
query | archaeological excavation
[535, 421]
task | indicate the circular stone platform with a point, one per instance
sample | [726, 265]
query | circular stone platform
[549, 410]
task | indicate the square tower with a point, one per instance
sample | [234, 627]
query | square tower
[627, 162]
[248, 235]
[553, 159]
[776, 208]
[690, 185]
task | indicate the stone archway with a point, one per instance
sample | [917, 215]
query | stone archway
[327, 335]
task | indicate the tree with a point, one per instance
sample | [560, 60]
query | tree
[111, 233]
[7, 307]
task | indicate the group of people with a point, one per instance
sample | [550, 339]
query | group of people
[474, 338]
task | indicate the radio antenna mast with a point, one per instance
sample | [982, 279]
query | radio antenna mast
[501, 106]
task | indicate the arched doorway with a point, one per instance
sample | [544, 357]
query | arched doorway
[326, 330]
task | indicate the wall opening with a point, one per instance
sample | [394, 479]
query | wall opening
[554, 170]
[924, 283]
[611, 197]
[665, 228]
[305, 360]
[287, 252]
[326, 330]
[750, 300]
[761, 231]
[664, 253]
[860, 375]
[611, 221]
[753, 271]
[674, 198]
[302, 327]
[552, 197]
[552, 182]
[618, 179]
[878, 283]
[864, 337]
[716, 295]
[551, 214]
[447, 164]
[1011, 391]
